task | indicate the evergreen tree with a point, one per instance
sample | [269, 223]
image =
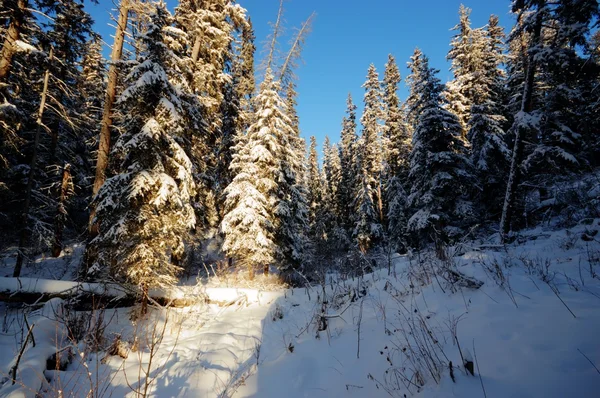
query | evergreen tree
[144, 212]
[413, 104]
[315, 194]
[439, 170]
[463, 55]
[561, 68]
[370, 161]
[348, 150]
[545, 129]
[329, 217]
[489, 152]
[396, 132]
[262, 222]
[293, 207]
[397, 144]
[368, 232]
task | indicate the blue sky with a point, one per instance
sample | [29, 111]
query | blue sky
[349, 35]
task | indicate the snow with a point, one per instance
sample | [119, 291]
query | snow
[518, 328]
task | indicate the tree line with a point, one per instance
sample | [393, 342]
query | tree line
[171, 143]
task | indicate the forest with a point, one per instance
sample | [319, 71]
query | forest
[182, 155]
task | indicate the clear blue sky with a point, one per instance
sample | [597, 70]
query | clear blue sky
[347, 36]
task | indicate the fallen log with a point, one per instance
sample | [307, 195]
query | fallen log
[86, 296]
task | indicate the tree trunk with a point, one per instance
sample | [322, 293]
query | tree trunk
[111, 93]
[514, 176]
[31, 175]
[12, 35]
[61, 212]
[251, 272]
[144, 309]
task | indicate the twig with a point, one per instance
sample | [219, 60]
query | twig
[561, 300]
[478, 371]
[14, 369]
[359, 322]
[29, 327]
[589, 360]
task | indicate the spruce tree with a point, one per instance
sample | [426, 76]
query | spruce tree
[463, 56]
[144, 212]
[439, 170]
[369, 211]
[347, 186]
[397, 146]
[396, 132]
[489, 152]
[261, 222]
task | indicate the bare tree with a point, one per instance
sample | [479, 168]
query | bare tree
[519, 126]
[111, 93]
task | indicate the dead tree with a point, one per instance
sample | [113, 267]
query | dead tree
[519, 128]
[61, 212]
[111, 93]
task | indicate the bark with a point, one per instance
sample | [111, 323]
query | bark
[514, 176]
[31, 176]
[12, 35]
[111, 93]
[61, 211]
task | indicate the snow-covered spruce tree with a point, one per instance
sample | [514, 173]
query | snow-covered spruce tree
[397, 212]
[439, 171]
[369, 150]
[368, 232]
[412, 103]
[334, 237]
[562, 71]
[292, 208]
[396, 132]
[590, 123]
[489, 152]
[347, 186]
[92, 83]
[545, 132]
[315, 194]
[210, 27]
[464, 65]
[259, 217]
[397, 145]
[144, 212]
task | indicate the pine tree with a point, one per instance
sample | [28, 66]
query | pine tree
[439, 169]
[144, 212]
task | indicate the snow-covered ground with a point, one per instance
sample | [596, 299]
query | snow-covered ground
[532, 330]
